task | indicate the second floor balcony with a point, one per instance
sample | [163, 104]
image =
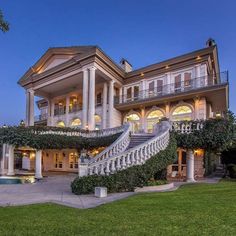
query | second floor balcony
[172, 89]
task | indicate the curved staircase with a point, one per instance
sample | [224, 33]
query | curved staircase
[128, 150]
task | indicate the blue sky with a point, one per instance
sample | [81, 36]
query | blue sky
[144, 32]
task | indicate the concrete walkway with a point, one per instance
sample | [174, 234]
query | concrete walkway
[56, 189]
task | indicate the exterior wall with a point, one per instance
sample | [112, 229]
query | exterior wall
[49, 160]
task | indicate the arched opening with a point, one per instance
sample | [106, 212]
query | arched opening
[183, 112]
[76, 123]
[60, 124]
[134, 121]
[153, 118]
[98, 122]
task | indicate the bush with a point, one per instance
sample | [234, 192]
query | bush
[232, 171]
[130, 178]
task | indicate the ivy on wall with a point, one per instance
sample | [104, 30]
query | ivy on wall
[130, 178]
[216, 134]
[29, 136]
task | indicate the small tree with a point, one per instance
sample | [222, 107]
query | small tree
[4, 25]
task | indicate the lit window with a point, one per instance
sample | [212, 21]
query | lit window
[98, 121]
[134, 121]
[182, 113]
[76, 123]
[60, 124]
[153, 118]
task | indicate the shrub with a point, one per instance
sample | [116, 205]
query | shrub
[130, 178]
[232, 171]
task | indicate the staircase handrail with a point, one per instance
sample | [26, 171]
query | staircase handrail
[119, 145]
[133, 156]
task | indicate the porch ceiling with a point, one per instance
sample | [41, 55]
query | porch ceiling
[65, 86]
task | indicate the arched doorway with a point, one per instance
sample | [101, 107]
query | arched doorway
[134, 120]
[98, 122]
[183, 112]
[153, 118]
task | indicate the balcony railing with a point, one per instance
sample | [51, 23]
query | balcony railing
[174, 88]
[75, 108]
[41, 118]
[60, 111]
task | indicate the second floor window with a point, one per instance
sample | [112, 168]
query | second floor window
[99, 98]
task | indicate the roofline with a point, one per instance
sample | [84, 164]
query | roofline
[173, 60]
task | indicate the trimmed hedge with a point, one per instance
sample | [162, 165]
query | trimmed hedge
[232, 171]
[130, 178]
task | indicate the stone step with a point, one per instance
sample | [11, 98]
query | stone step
[136, 140]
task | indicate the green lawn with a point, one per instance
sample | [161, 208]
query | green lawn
[203, 209]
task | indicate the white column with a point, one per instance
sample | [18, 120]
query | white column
[111, 103]
[91, 110]
[49, 112]
[67, 110]
[2, 164]
[104, 106]
[143, 122]
[190, 166]
[38, 164]
[31, 108]
[11, 161]
[196, 108]
[27, 108]
[121, 95]
[168, 110]
[85, 98]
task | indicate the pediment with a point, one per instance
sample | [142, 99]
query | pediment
[53, 61]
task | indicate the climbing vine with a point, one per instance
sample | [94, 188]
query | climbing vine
[215, 135]
[40, 138]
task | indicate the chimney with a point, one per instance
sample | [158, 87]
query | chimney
[126, 66]
[210, 42]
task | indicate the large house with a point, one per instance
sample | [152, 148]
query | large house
[82, 87]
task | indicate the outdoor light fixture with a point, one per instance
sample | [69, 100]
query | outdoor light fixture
[198, 58]
[4, 126]
[167, 67]
[142, 74]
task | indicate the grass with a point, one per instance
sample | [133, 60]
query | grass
[202, 209]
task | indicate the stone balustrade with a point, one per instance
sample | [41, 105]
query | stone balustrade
[118, 146]
[83, 133]
[186, 127]
[137, 155]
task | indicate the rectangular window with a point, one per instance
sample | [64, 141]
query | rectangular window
[159, 86]
[187, 79]
[136, 92]
[178, 82]
[99, 99]
[129, 93]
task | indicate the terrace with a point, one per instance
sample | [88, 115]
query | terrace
[199, 85]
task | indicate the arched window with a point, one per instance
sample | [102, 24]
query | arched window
[98, 122]
[76, 123]
[182, 113]
[60, 124]
[134, 121]
[153, 118]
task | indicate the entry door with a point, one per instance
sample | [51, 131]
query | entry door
[58, 161]
[135, 126]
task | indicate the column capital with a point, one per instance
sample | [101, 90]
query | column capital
[30, 90]
[93, 68]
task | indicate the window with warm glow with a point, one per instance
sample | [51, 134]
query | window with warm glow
[153, 118]
[182, 113]
[60, 124]
[76, 123]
